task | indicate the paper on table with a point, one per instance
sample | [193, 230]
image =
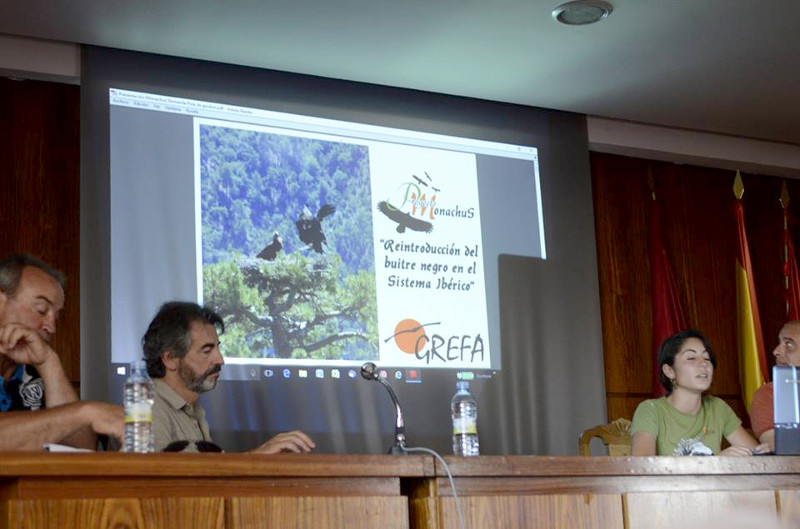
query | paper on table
[54, 447]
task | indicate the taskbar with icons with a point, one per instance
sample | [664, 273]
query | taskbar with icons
[250, 372]
[243, 372]
[409, 375]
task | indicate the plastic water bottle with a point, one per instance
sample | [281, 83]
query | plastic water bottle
[465, 421]
[139, 393]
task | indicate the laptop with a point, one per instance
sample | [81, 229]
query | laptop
[786, 395]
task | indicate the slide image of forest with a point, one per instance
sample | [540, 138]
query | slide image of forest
[287, 244]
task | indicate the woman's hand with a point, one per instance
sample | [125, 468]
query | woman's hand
[743, 444]
[763, 448]
[736, 451]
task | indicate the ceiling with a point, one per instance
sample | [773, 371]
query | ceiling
[724, 66]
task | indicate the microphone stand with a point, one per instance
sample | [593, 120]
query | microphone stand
[399, 446]
[368, 371]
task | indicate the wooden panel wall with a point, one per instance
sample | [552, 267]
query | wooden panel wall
[700, 236]
[40, 200]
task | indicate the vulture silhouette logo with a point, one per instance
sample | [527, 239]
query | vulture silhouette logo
[404, 220]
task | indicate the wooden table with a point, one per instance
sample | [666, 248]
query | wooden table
[610, 492]
[153, 491]
[112, 490]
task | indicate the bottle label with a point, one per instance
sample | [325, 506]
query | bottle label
[464, 425]
[139, 412]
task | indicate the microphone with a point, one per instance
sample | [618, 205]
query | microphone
[370, 372]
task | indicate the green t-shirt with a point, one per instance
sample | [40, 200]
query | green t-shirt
[679, 434]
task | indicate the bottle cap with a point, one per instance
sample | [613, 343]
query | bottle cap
[138, 365]
[462, 385]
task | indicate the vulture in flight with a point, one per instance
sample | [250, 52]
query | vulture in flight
[309, 228]
[270, 251]
[420, 180]
[404, 220]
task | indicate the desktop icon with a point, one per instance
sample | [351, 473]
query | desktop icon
[352, 373]
[384, 374]
[413, 376]
[398, 375]
[268, 373]
[287, 373]
[335, 373]
[302, 373]
[320, 373]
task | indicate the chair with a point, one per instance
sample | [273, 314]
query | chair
[616, 435]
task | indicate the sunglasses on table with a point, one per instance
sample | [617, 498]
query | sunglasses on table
[192, 446]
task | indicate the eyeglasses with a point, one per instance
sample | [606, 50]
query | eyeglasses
[192, 446]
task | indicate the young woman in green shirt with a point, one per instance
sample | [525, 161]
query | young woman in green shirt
[686, 422]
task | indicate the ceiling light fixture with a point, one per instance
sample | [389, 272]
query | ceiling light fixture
[582, 12]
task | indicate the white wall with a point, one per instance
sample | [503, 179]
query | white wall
[27, 58]
[693, 147]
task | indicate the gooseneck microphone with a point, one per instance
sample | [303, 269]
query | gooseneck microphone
[370, 372]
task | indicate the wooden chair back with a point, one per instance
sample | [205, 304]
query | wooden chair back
[616, 435]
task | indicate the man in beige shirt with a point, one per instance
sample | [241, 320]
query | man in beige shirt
[181, 348]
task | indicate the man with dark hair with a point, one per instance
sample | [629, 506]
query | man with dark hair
[181, 349]
[37, 402]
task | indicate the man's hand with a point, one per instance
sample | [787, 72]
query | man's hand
[294, 441]
[73, 424]
[104, 418]
[24, 345]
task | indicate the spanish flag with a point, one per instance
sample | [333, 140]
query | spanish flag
[752, 357]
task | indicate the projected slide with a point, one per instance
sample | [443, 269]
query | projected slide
[320, 242]
[292, 226]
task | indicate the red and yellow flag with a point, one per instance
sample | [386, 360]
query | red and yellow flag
[752, 357]
[793, 290]
[668, 315]
[790, 273]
